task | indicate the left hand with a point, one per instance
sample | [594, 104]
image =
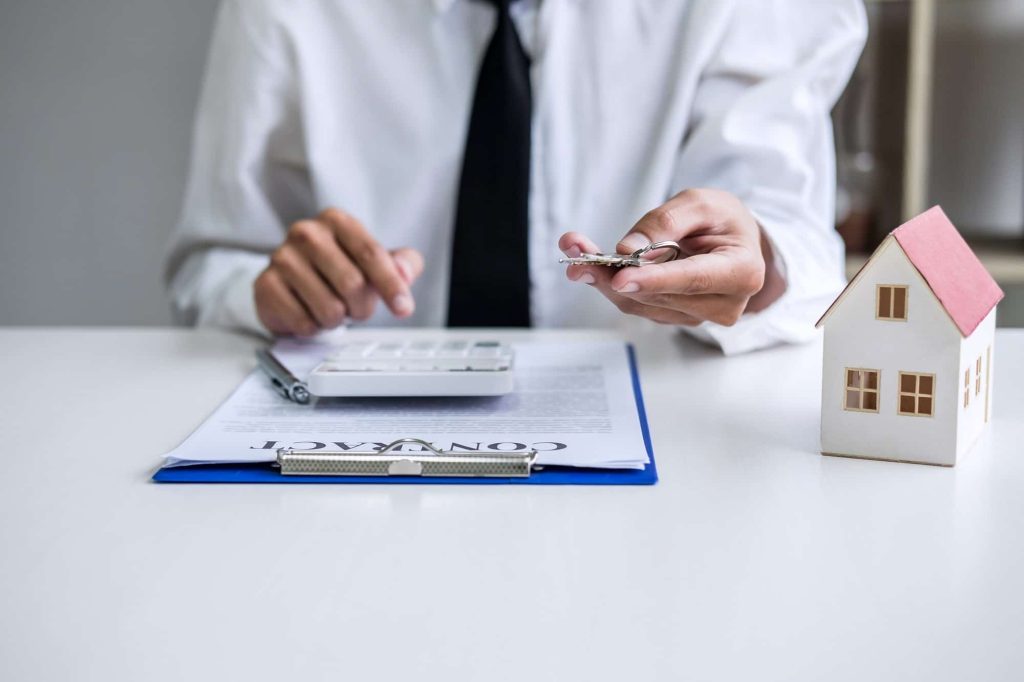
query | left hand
[726, 267]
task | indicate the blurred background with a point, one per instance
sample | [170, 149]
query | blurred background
[97, 98]
[934, 114]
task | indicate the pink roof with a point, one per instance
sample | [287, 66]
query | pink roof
[955, 275]
[959, 281]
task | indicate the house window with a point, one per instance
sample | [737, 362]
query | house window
[988, 378]
[892, 302]
[917, 394]
[861, 392]
[977, 376]
[967, 387]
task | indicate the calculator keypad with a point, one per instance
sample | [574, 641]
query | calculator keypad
[418, 356]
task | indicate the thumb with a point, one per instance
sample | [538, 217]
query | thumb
[685, 213]
[656, 225]
[409, 262]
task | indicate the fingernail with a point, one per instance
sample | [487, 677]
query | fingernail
[573, 251]
[402, 304]
[634, 241]
[586, 278]
[403, 269]
[629, 288]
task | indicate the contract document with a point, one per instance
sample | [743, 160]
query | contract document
[573, 402]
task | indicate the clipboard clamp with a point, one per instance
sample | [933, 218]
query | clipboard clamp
[391, 460]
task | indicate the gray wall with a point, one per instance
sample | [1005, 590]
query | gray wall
[978, 122]
[96, 105]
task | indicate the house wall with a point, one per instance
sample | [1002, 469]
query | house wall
[926, 342]
[972, 418]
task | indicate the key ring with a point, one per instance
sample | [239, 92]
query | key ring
[672, 247]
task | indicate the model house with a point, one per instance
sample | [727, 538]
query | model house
[907, 372]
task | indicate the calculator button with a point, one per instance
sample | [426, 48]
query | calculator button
[421, 366]
[453, 349]
[419, 349]
[352, 350]
[386, 350]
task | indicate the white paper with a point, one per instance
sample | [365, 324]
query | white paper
[573, 402]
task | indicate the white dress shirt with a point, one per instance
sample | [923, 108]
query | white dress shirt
[365, 105]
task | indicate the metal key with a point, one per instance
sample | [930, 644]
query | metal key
[635, 259]
[611, 260]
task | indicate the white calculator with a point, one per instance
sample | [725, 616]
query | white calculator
[419, 367]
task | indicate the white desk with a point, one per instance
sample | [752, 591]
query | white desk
[753, 558]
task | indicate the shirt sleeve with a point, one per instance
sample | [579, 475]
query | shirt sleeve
[248, 176]
[761, 129]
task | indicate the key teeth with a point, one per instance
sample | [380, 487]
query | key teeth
[609, 261]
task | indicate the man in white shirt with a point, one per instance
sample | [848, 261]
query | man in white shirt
[344, 151]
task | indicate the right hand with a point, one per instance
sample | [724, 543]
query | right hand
[330, 268]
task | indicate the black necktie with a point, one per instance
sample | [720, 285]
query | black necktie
[490, 280]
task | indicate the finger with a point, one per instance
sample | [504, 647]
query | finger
[718, 308]
[279, 309]
[573, 244]
[409, 263]
[590, 274]
[664, 309]
[315, 240]
[343, 277]
[376, 264]
[681, 215]
[658, 314]
[728, 271]
[667, 316]
[600, 276]
[349, 283]
[299, 274]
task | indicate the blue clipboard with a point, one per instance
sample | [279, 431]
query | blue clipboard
[265, 472]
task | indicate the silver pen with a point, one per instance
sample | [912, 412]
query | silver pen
[283, 380]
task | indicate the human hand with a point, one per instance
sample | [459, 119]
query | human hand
[726, 266]
[329, 268]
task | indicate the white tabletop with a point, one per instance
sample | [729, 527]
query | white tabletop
[753, 558]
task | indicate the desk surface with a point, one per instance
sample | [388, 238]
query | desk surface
[753, 558]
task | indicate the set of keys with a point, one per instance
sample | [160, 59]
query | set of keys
[635, 259]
